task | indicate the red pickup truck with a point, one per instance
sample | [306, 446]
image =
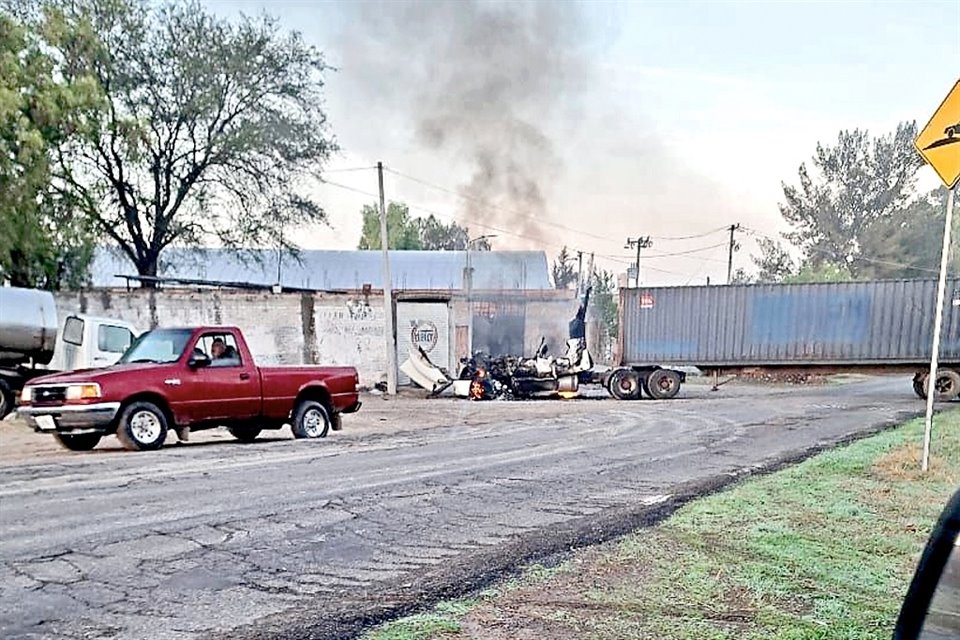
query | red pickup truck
[188, 379]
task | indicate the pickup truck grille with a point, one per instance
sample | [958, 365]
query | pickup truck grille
[49, 395]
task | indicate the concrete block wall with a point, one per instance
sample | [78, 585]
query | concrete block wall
[307, 328]
[281, 329]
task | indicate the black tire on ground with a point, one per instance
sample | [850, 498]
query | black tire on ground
[244, 433]
[6, 399]
[663, 384]
[142, 427]
[919, 385]
[310, 420]
[78, 441]
[625, 384]
[947, 385]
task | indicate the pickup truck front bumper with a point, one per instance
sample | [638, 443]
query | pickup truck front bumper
[85, 418]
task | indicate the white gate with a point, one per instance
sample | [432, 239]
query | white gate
[427, 325]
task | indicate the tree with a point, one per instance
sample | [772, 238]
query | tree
[211, 126]
[437, 236]
[908, 245]
[402, 232]
[858, 187]
[43, 244]
[406, 233]
[774, 262]
[564, 270]
[604, 298]
[819, 273]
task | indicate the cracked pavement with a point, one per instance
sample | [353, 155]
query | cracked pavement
[414, 500]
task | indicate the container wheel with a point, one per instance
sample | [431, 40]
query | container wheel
[947, 385]
[625, 384]
[663, 384]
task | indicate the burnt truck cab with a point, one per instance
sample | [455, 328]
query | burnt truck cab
[188, 379]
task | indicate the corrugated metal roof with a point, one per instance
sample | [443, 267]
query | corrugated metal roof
[339, 270]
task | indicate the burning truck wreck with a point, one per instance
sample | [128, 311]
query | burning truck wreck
[485, 377]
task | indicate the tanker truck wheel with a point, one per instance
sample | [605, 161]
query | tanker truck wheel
[947, 385]
[6, 399]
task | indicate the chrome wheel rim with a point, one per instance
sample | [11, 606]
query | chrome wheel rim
[145, 427]
[313, 423]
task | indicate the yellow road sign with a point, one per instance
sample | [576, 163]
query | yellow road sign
[939, 142]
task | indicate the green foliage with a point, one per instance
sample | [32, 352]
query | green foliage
[820, 273]
[402, 232]
[564, 270]
[406, 233]
[604, 298]
[211, 127]
[43, 243]
[856, 215]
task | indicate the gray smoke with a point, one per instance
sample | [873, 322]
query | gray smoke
[484, 83]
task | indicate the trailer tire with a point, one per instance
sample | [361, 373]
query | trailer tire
[244, 433]
[663, 384]
[625, 384]
[78, 441]
[920, 384]
[6, 399]
[142, 427]
[947, 385]
[310, 420]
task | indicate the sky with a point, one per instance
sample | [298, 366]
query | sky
[665, 119]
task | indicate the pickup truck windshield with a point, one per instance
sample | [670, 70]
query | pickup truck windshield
[161, 346]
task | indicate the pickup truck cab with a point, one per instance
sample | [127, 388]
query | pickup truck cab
[185, 379]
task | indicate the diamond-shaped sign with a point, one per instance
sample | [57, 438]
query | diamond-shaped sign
[939, 142]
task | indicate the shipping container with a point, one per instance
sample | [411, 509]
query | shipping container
[844, 325]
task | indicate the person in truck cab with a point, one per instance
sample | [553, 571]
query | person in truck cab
[223, 355]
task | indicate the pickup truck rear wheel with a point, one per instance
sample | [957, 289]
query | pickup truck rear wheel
[78, 441]
[142, 427]
[244, 433]
[311, 420]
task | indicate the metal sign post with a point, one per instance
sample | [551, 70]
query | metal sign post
[939, 145]
[937, 326]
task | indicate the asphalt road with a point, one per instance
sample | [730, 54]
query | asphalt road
[293, 539]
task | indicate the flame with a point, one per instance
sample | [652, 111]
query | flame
[568, 395]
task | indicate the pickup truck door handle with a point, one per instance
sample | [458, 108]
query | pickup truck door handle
[244, 376]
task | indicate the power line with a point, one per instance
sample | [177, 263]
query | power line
[490, 227]
[886, 263]
[347, 169]
[692, 237]
[488, 205]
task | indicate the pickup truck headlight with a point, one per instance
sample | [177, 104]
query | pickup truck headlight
[26, 395]
[83, 391]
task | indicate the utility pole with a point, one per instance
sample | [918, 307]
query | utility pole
[387, 293]
[639, 243]
[579, 272]
[733, 247]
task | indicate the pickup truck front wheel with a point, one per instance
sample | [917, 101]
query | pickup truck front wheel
[78, 441]
[142, 427]
[311, 420]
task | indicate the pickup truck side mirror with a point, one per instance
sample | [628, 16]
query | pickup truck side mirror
[198, 360]
[930, 611]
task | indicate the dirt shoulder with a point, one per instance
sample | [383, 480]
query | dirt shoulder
[829, 544]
